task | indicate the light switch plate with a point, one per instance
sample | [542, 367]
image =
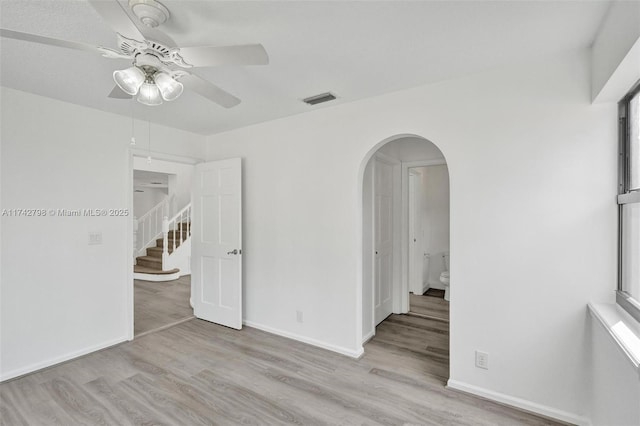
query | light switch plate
[95, 238]
[482, 360]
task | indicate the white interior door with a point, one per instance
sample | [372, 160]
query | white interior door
[216, 252]
[383, 229]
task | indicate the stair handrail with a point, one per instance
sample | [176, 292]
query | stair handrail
[148, 227]
[180, 220]
[168, 201]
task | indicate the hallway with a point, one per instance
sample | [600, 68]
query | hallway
[160, 304]
[431, 304]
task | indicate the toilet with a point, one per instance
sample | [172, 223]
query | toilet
[444, 276]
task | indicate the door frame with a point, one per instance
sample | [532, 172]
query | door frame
[401, 236]
[362, 282]
[129, 281]
[404, 232]
[413, 212]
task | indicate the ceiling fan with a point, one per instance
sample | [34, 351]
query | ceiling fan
[160, 69]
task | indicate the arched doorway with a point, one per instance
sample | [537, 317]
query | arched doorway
[401, 258]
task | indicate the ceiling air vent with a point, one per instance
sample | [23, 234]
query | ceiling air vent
[318, 99]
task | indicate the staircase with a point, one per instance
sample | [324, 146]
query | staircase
[152, 262]
[172, 248]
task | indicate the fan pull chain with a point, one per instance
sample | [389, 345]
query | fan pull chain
[133, 137]
[149, 156]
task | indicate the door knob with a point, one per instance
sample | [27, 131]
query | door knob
[235, 251]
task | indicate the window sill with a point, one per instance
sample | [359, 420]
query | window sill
[622, 327]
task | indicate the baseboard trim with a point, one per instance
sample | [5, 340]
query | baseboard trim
[156, 278]
[313, 342]
[58, 360]
[368, 337]
[519, 403]
[435, 285]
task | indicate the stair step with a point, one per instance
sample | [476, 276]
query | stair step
[160, 243]
[157, 251]
[149, 262]
[171, 234]
[144, 270]
[178, 231]
[170, 238]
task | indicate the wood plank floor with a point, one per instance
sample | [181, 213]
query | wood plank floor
[435, 307]
[158, 304]
[199, 373]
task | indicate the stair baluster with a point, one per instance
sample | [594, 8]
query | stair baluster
[165, 241]
[149, 225]
[174, 238]
[135, 239]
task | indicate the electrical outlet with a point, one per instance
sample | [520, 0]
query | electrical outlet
[299, 316]
[95, 238]
[482, 360]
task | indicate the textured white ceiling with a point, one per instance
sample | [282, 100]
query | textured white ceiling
[353, 49]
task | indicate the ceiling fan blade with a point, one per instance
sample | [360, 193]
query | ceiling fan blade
[117, 93]
[17, 35]
[209, 90]
[157, 35]
[117, 17]
[212, 56]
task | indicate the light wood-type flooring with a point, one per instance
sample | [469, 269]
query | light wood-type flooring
[199, 373]
[159, 304]
[435, 307]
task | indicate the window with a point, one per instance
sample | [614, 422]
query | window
[629, 204]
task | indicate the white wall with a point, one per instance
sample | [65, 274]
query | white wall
[615, 397]
[180, 177]
[435, 219]
[533, 173]
[409, 149]
[615, 57]
[148, 199]
[368, 244]
[613, 381]
[60, 296]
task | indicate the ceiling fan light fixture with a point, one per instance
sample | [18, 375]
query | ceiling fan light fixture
[169, 88]
[129, 80]
[149, 95]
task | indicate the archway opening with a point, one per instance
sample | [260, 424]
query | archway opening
[405, 244]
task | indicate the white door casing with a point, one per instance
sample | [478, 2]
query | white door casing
[216, 250]
[383, 242]
[415, 234]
